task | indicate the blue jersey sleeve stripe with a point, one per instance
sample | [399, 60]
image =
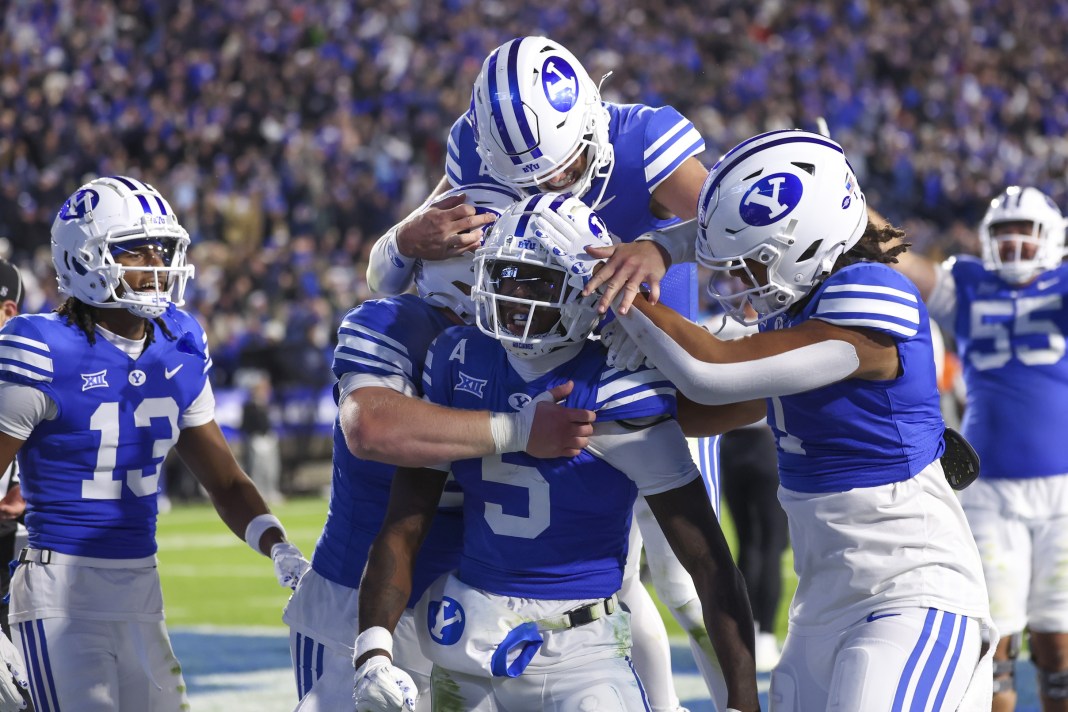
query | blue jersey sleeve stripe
[614, 382]
[669, 136]
[668, 391]
[9, 367]
[25, 343]
[670, 148]
[874, 289]
[366, 347]
[665, 164]
[361, 330]
[870, 323]
[14, 354]
[692, 150]
[372, 364]
[874, 307]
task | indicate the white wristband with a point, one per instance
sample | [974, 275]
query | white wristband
[259, 524]
[677, 240]
[511, 431]
[375, 638]
[507, 432]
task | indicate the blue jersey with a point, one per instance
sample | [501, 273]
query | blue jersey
[857, 433]
[1011, 342]
[545, 529]
[649, 145]
[91, 475]
[385, 338]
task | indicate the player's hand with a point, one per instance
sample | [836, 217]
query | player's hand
[381, 687]
[623, 352]
[447, 228]
[558, 431]
[11, 698]
[289, 564]
[628, 266]
[12, 505]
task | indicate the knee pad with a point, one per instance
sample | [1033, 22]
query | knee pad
[1053, 685]
[1005, 670]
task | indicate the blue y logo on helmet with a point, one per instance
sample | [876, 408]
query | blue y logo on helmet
[560, 83]
[77, 205]
[445, 620]
[771, 199]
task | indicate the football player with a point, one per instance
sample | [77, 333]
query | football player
[92, 398]
[383, 422]
[1009, 315]
[537, 123]
[891, 605]
[530, 620]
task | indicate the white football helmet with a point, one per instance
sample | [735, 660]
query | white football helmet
[531, 271]
[535, 111]
[448, 283]
[786, 201]
[105, 217]
[1044, 241]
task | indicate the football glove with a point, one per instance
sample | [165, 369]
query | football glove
[289, 564]
[381, 687]
[623, 352]
[10, 697]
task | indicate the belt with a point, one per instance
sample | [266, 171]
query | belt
[48, 556]
[581, 615]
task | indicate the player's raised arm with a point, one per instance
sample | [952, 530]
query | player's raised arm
[437, 230]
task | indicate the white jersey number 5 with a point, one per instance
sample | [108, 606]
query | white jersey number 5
[142, 482]
[520, 478]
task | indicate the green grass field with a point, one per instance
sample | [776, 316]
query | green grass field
[210, 577]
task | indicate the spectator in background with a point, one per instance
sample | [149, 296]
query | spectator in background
[263, 460]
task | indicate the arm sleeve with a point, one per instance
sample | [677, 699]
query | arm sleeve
[656, 458]
[388, 271]
[679, 240]
[201, 410]
[803, 369]
[22, 408]
[942, 302]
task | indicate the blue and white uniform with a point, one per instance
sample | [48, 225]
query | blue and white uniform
[649, 144]
[543, 537]
[881, 546]
[1011, 340]
[381, 343]
[97, 422]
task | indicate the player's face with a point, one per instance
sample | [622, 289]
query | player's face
[528, 282]
[1015, 250]
[143, 254]
[567, 177]
[755, 276]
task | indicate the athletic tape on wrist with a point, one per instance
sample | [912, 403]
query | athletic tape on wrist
[375, 638]
[259, 524]
[507, 432]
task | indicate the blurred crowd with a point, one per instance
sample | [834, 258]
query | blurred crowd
[289, 135]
